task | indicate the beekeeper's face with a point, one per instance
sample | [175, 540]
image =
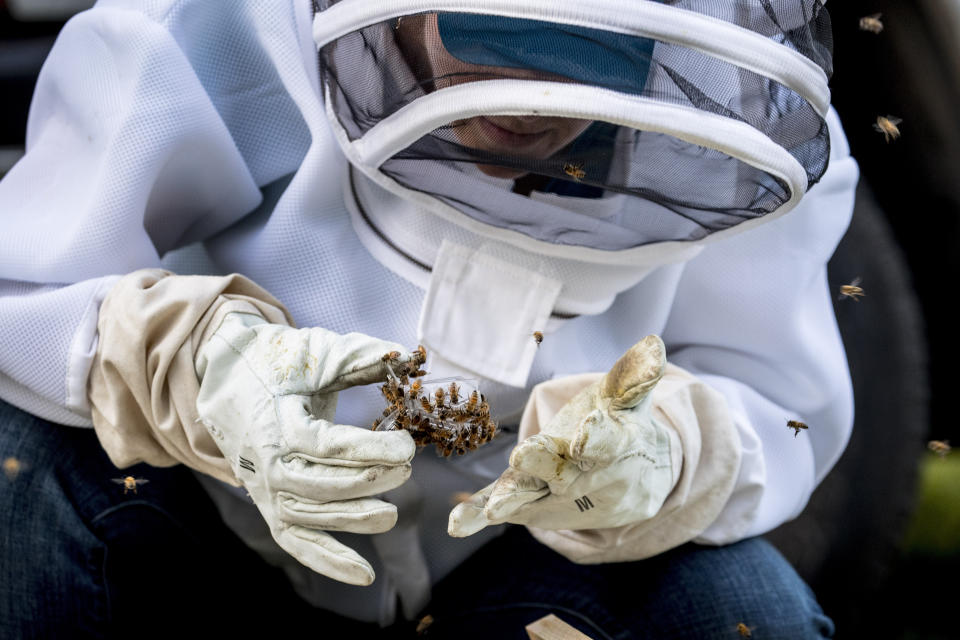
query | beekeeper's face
[536, 137]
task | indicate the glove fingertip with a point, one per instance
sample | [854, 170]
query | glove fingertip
[367, 579]
[465, 520]
[538, 461]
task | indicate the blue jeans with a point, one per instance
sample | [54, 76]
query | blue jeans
[81, 559]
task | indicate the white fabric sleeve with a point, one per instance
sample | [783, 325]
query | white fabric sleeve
[753, 318]
[127, 157]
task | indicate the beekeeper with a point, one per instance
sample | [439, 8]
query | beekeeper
[655, 187]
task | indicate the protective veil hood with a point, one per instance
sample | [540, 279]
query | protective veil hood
[707, 115]
[526, 162]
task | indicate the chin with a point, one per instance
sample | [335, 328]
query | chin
[501, 172]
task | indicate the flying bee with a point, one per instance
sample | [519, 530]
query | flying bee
[744, 630]
[388, 357]
[871, 23]
[852, 290]
[575, 170]
[12, 468]
[460, 496]
[939, 447]
[887, 125]
[130, 483]
[796, 425]
[425, 622]
[454, 393]
[538, 337]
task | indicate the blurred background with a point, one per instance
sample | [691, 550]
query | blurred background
[881, 536]
[910, 70]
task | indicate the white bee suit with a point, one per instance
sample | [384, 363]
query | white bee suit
[193, 137]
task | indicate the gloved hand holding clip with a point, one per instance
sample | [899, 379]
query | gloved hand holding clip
[268, 395]
[601, 461]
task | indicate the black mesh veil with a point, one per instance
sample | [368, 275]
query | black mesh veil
[691, 140]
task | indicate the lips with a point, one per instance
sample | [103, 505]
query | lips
[504, 136]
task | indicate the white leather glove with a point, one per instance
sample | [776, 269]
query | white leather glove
[268, 395]
[602, 461]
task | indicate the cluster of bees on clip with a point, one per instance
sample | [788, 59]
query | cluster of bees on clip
[887, 125]
[451, 415]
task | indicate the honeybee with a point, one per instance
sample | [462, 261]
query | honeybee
[387, 392]
[460, 496]
[393, 355]
[415, 388]
[851, 290]
[425, 622]
[425, 403]
[12, 468]
[939, 447]
[439, 395]
[575, 170]
[538, 337]
[454, 393]
[871, 23]
[796, 425]
[472, 402]
[887, 125]
[420, 355]
[744, 630]
[130, 483]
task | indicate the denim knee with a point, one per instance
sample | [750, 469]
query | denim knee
[51, 565]
[692, 592]
[744, 587]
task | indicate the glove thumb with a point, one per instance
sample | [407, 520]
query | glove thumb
[632, 377]
[601, 436]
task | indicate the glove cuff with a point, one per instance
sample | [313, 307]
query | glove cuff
[143, 384]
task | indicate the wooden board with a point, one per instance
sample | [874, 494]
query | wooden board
[553, 628]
